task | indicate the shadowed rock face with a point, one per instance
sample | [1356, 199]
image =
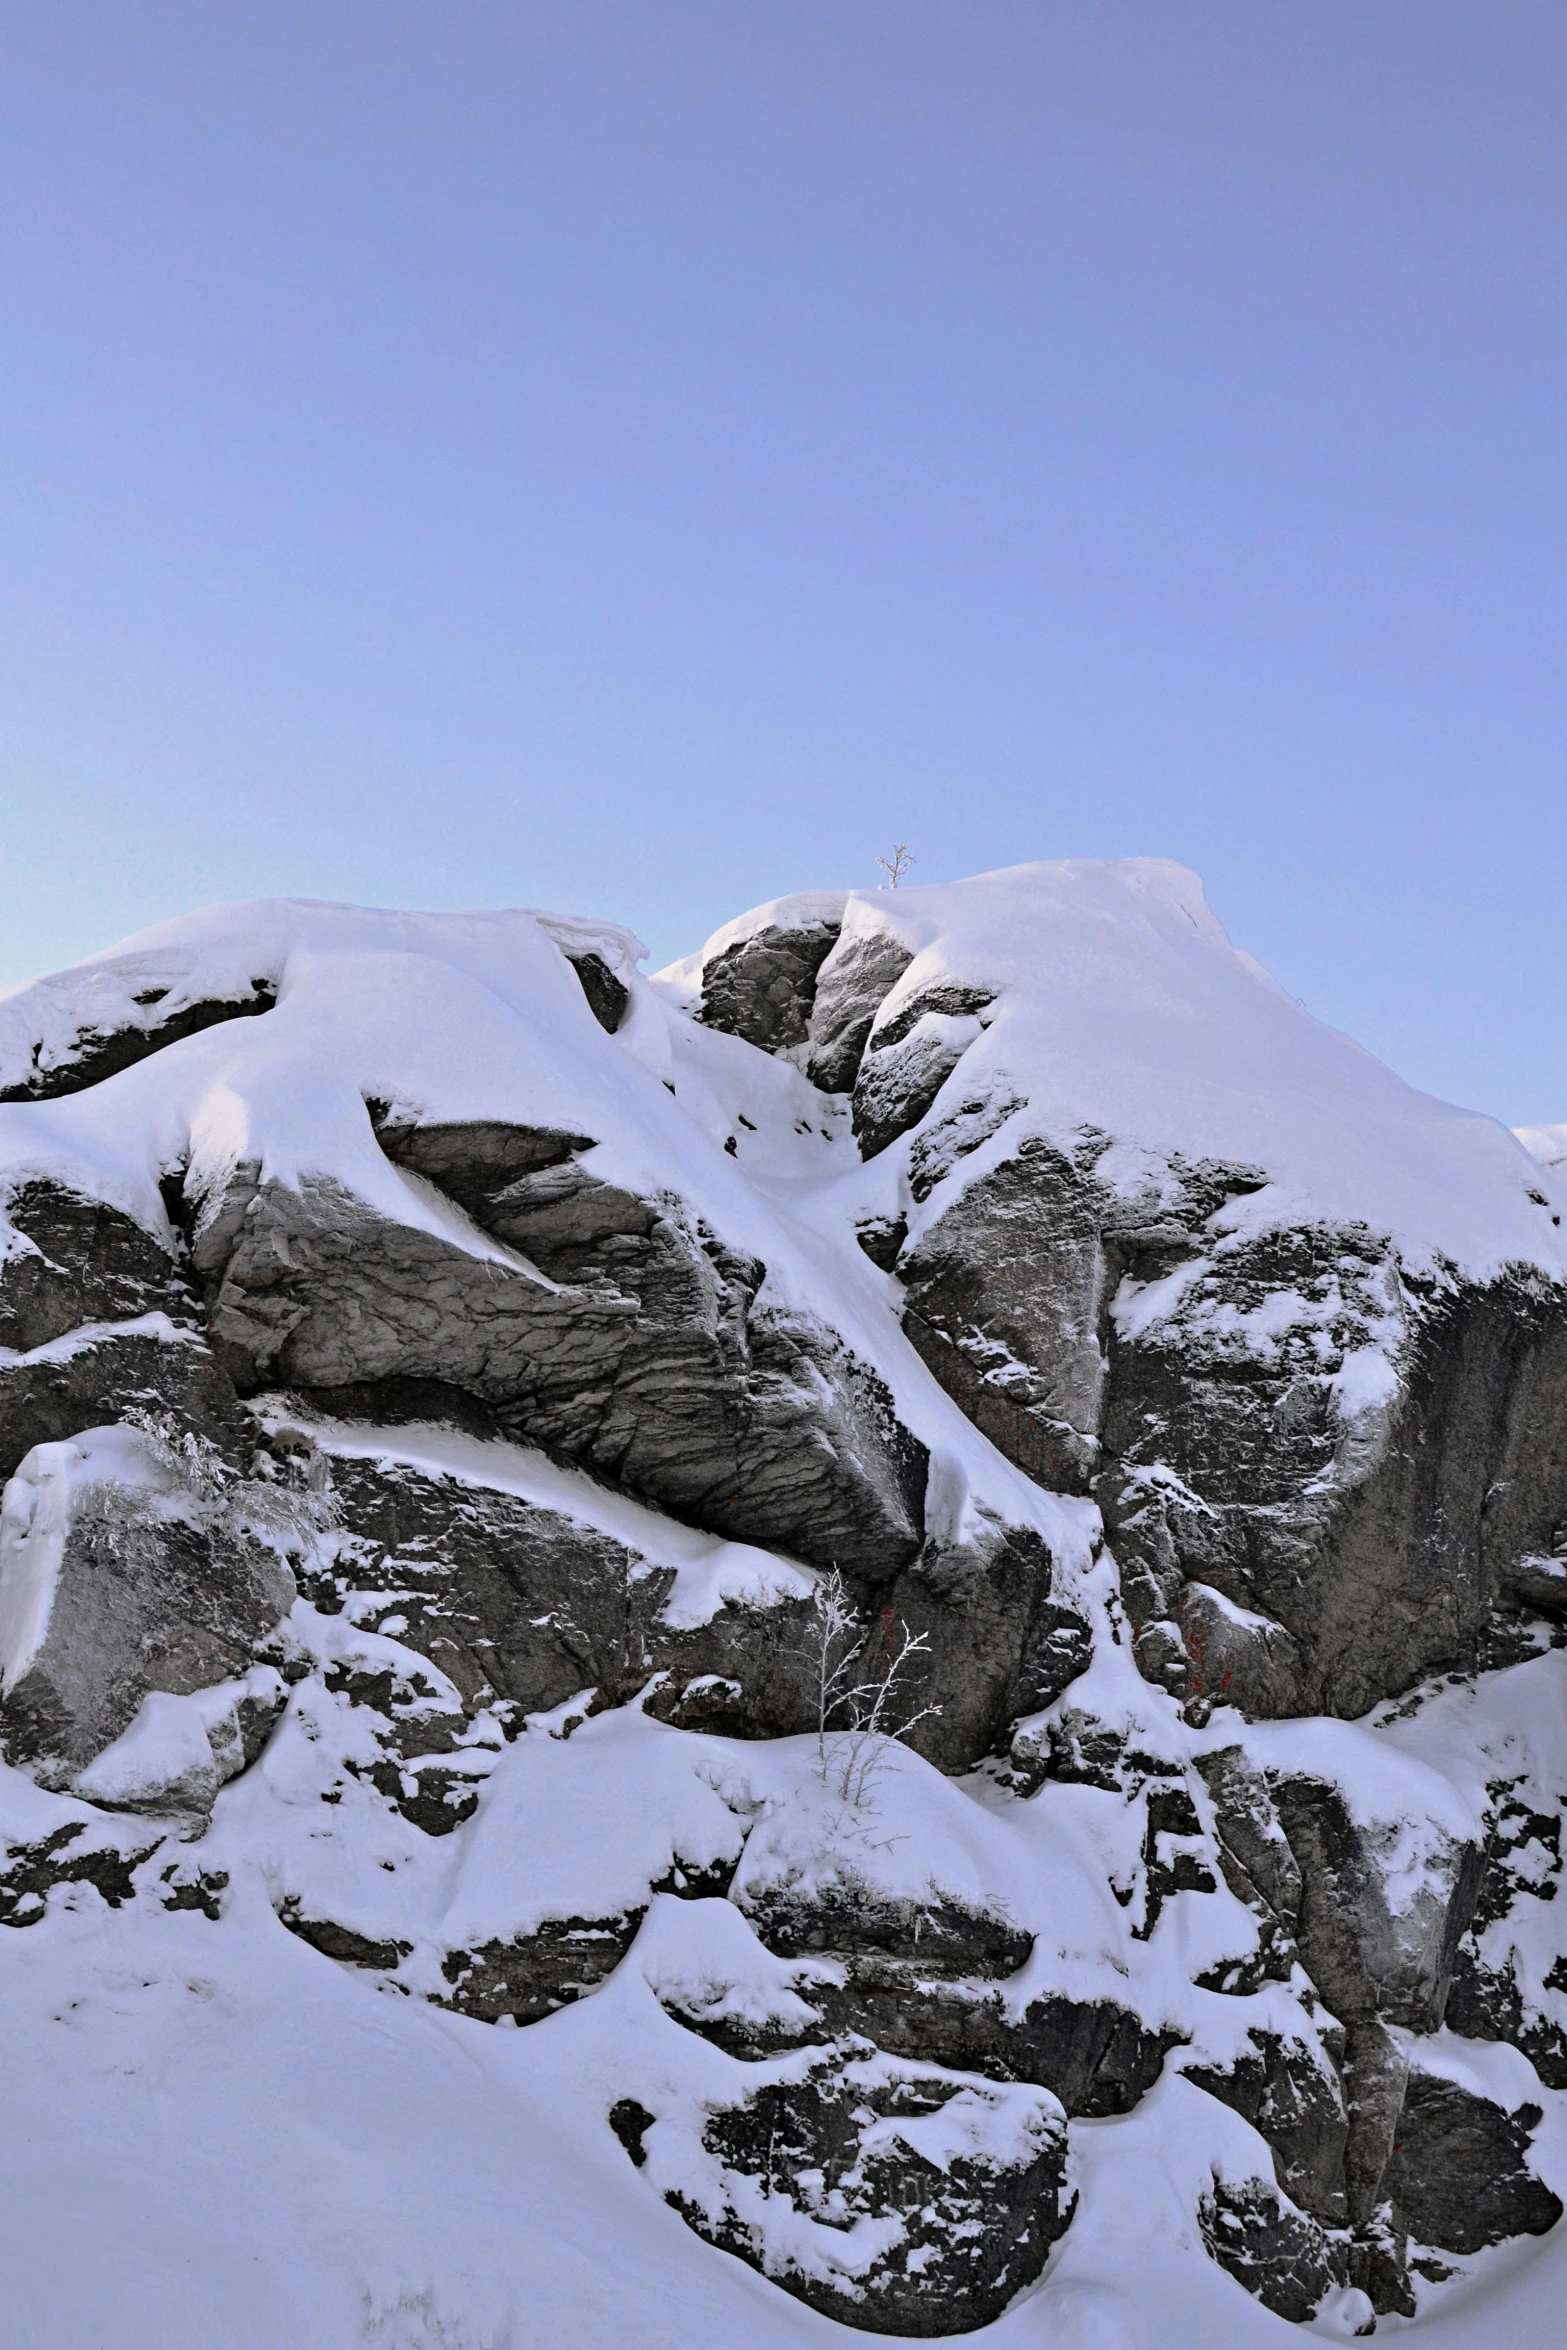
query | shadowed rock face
[1276, 2252]
[1361, 2130]
[77, 1261]
[642, 1352]
[1298, 1543]
[148, 1591]
[607, 996]
[1291, 2093]
[814, 993]
[851, 985]
[763, 987]
[96, 1318]
[1458, 2180]
[1005, 1298]
[1367, 1956]
[1380, 1956]
[512, 1599]
[516, 1601]
[93, 1378]
[1384, 1550]
[1001, 1642]
[907, 1060]
[1459, 2176]
[946, 2007]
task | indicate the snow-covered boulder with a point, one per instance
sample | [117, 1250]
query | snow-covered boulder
[125, 1570]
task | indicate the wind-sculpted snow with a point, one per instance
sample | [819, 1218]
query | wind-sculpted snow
[866, 1639]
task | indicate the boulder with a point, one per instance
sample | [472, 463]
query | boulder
[179, 1751]
[66, 1260]
[1383, 1904]
[608, 996]
[1459, 2176]
[1003, 1638]
[92, 1377]
[859, 973]
[762, 986]
[120, 1573]
[1003, 1301]
[1289, 2090]
[910, 1052]
[613, 1329]
[1355, 1459]
[964, 2183]
[511, 1598]
[806, 978]
[1279, 2253]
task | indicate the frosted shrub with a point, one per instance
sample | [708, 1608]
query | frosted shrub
[293, 1507]
[857, 1710]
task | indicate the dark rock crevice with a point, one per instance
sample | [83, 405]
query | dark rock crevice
[608, 997]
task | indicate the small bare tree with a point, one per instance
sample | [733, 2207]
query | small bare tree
[897, 864]
[857, 1711]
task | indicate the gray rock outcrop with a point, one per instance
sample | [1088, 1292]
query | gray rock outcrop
[120, 1575]
[972, 2179]
[1323, 1511]
[613, 1329]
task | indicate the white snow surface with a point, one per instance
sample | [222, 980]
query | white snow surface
[1548, 1144]
[1120, 1007]
[220, 2139]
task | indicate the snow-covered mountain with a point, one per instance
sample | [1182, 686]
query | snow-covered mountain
[869, 1636]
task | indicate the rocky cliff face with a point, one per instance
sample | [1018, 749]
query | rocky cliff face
[933, 1546]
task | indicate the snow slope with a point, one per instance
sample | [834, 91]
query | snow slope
[218, 2138]
[1121, 1005]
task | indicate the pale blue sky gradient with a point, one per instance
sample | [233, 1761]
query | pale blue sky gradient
[641, 456]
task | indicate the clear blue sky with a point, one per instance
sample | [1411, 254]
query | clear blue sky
[641, 456]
